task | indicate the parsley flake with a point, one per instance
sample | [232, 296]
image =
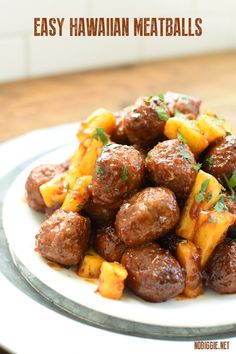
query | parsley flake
[232, 181]
[100, 134]
[228, 132]
[210, 159]
[220, 205]
[161, 96]
[181, 138]
[184, 152]
[209, 196]
[100, 171]
[125, 174]
[197, 166]
[212, 220]
[201, 195]
[180, 115]
[162, 113]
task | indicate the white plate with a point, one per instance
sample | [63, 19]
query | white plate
[209, 310]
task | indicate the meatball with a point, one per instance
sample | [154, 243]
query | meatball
[144, 124]
[147, 215]
[108, 244]
[38, 176]
[153, 273]
[182, 103]
[171, 164]
[101, 214]
[221, 158]
[220, 271]
[119, 170]
[63, 237]
[119, 135]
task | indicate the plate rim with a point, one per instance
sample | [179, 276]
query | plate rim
[106, 321]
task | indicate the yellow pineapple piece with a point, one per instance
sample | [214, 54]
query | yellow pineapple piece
[211, 127]
[205, 193]
[210, 230]
[189, 131]
[188, 256]
[111, 280]
[90, 265]
[101, 118]
[54, 191]
[78, 196]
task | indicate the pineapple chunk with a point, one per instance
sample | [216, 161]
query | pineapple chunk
[205, 193]
[54, 191]
[78, 196]
[188, 256]
[210, 230]
[211, 127]
[190, 132]
[111, 280]
[90, 266]
[101, 118]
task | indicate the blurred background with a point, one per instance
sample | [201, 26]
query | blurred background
[50, 80]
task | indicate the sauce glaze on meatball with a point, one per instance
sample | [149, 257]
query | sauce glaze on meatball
[119, 170]
[147, 215]
[63, 237]
[153, 273]
[171, 164]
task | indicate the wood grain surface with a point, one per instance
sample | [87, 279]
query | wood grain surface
[37, 103]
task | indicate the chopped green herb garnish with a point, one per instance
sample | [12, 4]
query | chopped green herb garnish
[209, 196]
[197, 166]
[210, 159]
[178, 114]
[184, 152]
[148, 99]
[79, 206]
[125, 174]
[201, 195]
[228, 132]
[100, 171]
[220, 205]
[161, 96]
[68, 187]
[162, 113]
[100, 134]
[212, 220]
[232, 181]
[181, 138]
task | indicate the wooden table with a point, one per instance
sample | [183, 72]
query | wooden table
[36, 103]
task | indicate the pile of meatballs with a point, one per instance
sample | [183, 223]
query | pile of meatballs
[141, 182]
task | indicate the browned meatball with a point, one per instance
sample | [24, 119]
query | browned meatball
[101, 214]
[171, 164]
[221, 158]
[119, 170]
[108, 244]
[182, 103]
[119, 135]
[147, 215]
[220, 271]
[144, 124]
[38, 176]
[63, 237]
[153, 273]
